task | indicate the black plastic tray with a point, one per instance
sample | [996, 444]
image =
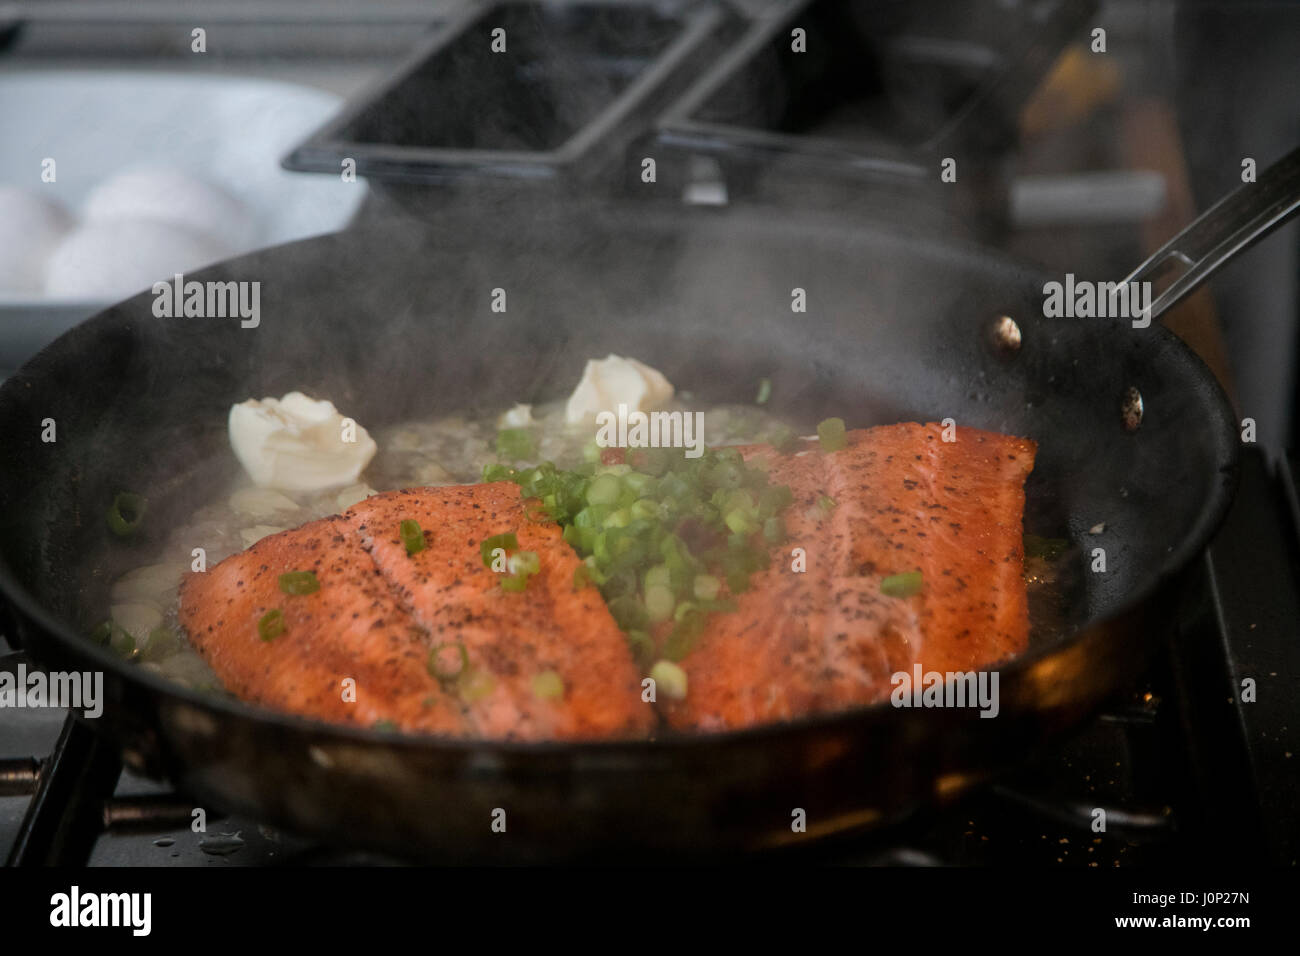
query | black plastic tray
[576, 82]
[901, 84]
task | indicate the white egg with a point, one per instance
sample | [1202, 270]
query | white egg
[167, 194]
[31, 225]
[112, 260]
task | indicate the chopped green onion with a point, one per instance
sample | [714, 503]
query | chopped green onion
[739, 500]
[659, 603]
[412, 536]
[658, 576]
[901, 585]
[474, 685]
[831, 434]
[783, 439]
[669, 679]
[385, 726]
[773, 499]
[645, 509]
[162, 642]
[739, 522]
[826, 504]
[593, 570]
[536, 512]
[629, 612]
[604, 490]
[737, 580]
[123, 643]
[126, 513]
[706, 587]
[774, 530]
[764, 391]
[507, 542]
[691, 616]
[639, 484]
[524, 562]
[548, 685]
[299, 582]
[641, 646]
[656, 461]
[648, 528]
[516, 444]
[443, 666]
[270, 625]
[115, 638]
[727, 475]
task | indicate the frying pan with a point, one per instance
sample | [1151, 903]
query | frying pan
[396, 323]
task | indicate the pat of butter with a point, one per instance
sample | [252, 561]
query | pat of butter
[298, 444]
[613, 381]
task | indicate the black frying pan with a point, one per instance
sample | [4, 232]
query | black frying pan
[397, 324]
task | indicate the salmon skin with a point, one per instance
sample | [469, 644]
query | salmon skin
[827, 638]
[545, 663]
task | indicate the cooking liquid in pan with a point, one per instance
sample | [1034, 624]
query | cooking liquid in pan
[449, 450]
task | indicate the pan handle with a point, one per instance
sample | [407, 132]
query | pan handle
[1231, 225]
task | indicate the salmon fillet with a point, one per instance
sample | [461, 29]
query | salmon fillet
[822, 639]
[379, 613]
[351, 628]
[827, 639]
[549, 627]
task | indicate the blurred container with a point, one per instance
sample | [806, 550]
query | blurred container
[228, 131]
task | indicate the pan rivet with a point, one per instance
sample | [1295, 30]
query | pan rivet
[1006, 333]
[1131, 410]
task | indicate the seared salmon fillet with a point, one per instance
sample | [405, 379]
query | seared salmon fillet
[510, 638]
[827, 638]
[380, 613]
[352, 627]
[434, 644]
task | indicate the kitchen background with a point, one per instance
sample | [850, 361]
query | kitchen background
[1138, 139]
